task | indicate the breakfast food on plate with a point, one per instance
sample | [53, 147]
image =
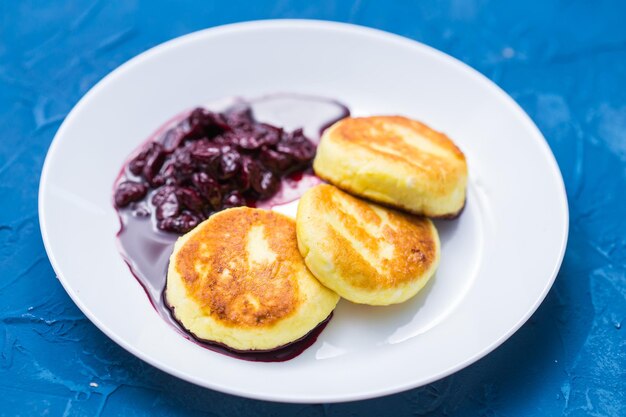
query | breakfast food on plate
[253, 283]
[364, 252]
[238, 279]
[395, 161]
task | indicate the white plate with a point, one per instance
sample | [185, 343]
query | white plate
[498, 261]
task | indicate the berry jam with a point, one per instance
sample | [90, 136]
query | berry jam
[256, 153]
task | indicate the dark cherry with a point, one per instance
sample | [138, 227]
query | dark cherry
[167, 175]
[169, 207]
[183, 164]
[196, 123]
[172, 139]
[209, 188]
[266, 184]
[269, 135]
[229, 165]
[204, 123]
[249, 169]
[154, 162]
[190, 198]
[234, 199]
[242, 140]
[182, 159]
[276, 161]
[139, 161]
[129, 191]
[256, 136]
[240, 116]
[205, 151]
[182, 223]
[158, 181]
[161, 194]
[215, 124]
[297, 145]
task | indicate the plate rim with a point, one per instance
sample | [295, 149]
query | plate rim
[308, 24]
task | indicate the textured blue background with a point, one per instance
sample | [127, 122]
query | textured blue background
[563, 61]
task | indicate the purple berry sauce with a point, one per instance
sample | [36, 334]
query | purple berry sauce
[256, 153]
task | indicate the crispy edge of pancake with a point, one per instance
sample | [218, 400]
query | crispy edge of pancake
[320, 251]
[316, 304]
[390, 180]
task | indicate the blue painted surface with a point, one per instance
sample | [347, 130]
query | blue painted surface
[564, 62]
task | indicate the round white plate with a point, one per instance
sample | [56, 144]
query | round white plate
[499, 258]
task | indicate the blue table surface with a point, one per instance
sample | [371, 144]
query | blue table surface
[564, 62]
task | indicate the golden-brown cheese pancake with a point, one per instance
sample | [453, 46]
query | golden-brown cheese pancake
[238, 279]
[364, 252]
[395, 161]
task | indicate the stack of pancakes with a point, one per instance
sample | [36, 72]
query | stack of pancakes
[257, 280]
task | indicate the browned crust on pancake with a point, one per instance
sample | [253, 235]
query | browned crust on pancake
[369, 131]
[214, 267]
[414, 241]
[451, 216]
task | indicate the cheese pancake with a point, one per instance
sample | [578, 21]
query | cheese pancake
[364, 252]
[395, 161]
[239, 280]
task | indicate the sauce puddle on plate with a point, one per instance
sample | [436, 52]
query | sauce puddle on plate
[146, 249]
